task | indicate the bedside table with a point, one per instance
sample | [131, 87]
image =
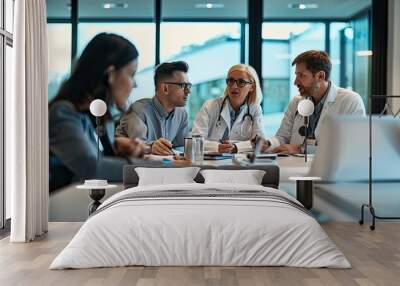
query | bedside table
[97, 191]
[304, 190]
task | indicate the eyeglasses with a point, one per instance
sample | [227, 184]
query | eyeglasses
[239, 82]
[182, 85]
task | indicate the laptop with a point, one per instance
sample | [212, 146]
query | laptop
[343, 150]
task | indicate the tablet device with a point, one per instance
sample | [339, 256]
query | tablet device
[283, 155]
[270, 156]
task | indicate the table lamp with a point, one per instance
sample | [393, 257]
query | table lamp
[305, 109]
[96, 187]
[98, 108]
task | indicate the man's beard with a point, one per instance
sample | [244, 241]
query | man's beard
[311, 91]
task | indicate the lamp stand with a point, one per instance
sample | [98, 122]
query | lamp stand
[306, 136]
[98, 137]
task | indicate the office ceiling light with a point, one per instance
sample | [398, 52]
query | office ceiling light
[209, 5]
[115, 5]
[303, 6]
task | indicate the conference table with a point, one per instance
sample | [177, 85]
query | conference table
[290, 166]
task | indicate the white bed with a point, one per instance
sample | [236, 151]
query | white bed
[185, 230]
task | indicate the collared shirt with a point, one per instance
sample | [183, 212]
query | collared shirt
[314, 118]
[234, 115]
[148, 120]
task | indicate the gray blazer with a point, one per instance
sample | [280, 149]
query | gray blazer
[339, 101]
[73, 148]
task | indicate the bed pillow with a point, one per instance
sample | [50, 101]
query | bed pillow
[166, 176]
[248, 177]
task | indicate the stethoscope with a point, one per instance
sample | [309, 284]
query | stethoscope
[245, 129]
[218, 123]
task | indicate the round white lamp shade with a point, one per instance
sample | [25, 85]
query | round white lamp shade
[98, 107]
[305, 107]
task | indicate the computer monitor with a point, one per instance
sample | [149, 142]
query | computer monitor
[343, 151]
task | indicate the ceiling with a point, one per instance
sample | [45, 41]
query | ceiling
[226, 9]
[326, 9]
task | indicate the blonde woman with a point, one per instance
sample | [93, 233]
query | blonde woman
[229, 122]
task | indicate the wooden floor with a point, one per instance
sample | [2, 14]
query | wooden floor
[374, 255]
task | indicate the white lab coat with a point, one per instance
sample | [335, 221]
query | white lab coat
[207, 125]
[339, 101]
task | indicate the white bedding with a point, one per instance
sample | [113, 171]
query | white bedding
[200, 231]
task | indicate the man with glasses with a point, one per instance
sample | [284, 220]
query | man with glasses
[161, 121]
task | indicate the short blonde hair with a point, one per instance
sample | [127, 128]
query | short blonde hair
[254, 96]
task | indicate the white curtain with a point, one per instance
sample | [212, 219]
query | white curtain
[27, 124]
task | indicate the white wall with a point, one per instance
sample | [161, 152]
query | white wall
[393, 83]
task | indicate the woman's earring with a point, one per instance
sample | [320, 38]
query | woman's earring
[110, 78]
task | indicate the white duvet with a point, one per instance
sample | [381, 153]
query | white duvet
[200, 231]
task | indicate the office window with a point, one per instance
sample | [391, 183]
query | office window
[210, 49]
[350, 54]
[58, 9]
[142, 35]
[282, 42]
[59, 39]
[59, 33]
[208, 37]
[306, 29]
[362, 57]
[132, 19]
[341, 35]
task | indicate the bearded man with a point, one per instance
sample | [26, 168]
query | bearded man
[312, 72]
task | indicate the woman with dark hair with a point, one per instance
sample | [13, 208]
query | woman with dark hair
[105, 71]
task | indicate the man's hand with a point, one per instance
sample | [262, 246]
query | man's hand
[128, 147]
[161, 147]
[288, 149]
[227, 147]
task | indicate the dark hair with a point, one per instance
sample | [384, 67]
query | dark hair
[89, 79]
[315, 61]
[166, 70]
